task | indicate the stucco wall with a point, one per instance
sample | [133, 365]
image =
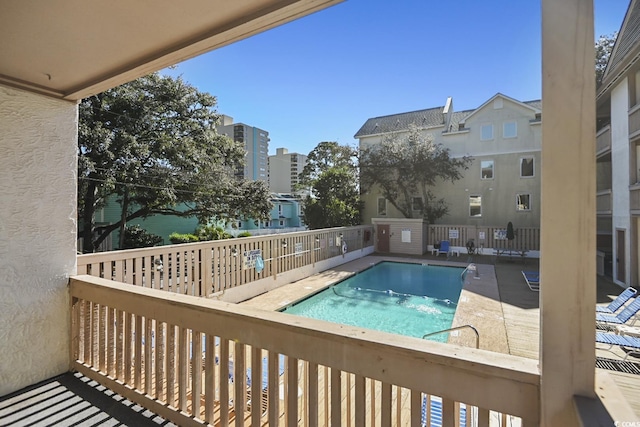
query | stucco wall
[38, 233]
[414, 231]
[498, 193]
[620, 175]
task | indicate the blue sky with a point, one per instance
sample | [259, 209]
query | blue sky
[321, 77]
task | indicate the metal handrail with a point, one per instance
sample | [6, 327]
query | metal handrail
[455, 329]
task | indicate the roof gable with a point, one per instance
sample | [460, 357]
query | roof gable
[626, 42]
[534, 106]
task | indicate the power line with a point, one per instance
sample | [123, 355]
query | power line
[149, 187]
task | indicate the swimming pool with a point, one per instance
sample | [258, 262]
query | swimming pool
[401, 298]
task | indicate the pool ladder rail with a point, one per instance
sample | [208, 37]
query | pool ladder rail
[455, 329]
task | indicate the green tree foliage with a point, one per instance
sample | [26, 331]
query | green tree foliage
[152, 144]
[331, 173]
[137, 237]
[604, 47]
[404, 166]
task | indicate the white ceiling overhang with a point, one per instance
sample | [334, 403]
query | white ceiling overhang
[71, 49]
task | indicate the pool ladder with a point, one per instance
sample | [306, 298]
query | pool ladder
[455, 329]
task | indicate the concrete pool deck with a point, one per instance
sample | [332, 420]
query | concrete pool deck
[479, 303]
[499, 304]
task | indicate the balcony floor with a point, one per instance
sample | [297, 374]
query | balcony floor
[72, 399]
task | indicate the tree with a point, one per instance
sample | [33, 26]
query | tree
[604, 47]
[331, 173]
[151, 144]
[136, 237]
[406, 167]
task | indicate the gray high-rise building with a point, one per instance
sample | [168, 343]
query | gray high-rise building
[284, 168]
[256, 144]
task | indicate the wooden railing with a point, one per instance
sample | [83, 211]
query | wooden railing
[603, 140]
[200, 269]
[603, 201]
[634, 198]
[634, 119]
[194, 360]
[526, 238]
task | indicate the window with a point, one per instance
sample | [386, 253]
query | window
[416, 203]
[486, 167]
[382, 206]
[239, 224]
[486, 132]
[523, 202]
[281, 223]
[509, 130]
[475, 206]
[279, 209]
[526, 167]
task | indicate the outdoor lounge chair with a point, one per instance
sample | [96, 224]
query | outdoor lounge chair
[618, 302]
[626, 341]
[265, 380]
[436, 412]
[621, 318]
[533, 280]
[444, 248]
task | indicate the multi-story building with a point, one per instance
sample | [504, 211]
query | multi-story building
[618, 156]
[285, 214]
[502, 183]
[284, 169]
[256, 144]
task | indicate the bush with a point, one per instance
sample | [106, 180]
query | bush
[137, 237]
[211, 232]
[177, 238]
[244, 234]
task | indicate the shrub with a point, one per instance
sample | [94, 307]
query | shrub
[137, 237]
[177, 238]
[244, 234]
[211, 232]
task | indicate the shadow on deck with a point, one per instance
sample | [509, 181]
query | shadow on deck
[73, 400]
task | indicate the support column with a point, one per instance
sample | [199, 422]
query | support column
[568, 247]
[38, 181]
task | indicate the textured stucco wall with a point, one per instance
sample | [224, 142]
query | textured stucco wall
[38, 235]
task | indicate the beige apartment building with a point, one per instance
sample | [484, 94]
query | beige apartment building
[502, 183]
[618, 156]
[284, 170]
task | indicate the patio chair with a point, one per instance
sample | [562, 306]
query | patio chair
[618, 302]
[533, 280]
[436, 412]
[627, 341]
[622, 317]
[444, 248]
[265, 381]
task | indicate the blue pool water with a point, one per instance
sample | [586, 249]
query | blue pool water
[401, 298]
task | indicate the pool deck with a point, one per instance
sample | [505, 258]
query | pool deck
[496, 301]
